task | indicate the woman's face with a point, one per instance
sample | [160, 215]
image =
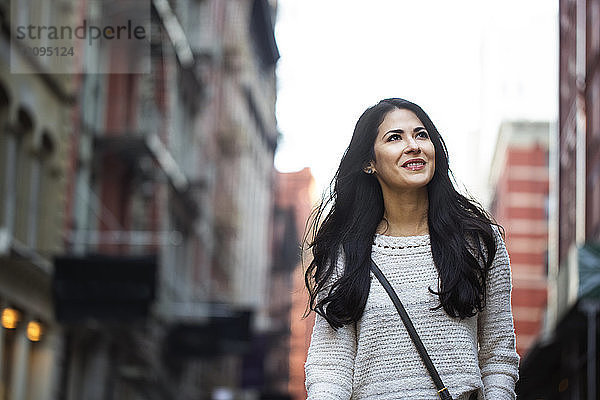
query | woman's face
[402, 137]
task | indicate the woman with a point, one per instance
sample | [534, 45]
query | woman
[392, 200]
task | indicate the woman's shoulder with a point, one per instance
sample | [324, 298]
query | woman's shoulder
[498, 231]
[499, 239]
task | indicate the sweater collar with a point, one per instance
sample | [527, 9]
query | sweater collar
[399, 242]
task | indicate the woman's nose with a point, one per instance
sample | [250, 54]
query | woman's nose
[413, 145]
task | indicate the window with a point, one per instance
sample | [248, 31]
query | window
[38, 188]
[15, 162]
[594, 31]
[4, 106]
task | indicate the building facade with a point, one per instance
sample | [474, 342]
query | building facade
[181, 167]
[137, 209]
[35, 128]
[297, 191]
[292, 207]
[565, 363]
[520, 179]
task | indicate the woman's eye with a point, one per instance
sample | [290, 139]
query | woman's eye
[424, 134]
[394, 136]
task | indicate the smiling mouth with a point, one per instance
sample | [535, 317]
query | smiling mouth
[414, 166]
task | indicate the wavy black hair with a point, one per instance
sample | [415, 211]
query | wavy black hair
[350, 211]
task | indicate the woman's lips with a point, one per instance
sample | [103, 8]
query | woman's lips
[414, 167]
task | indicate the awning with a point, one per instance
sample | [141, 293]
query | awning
[226, 331]
[106, 288]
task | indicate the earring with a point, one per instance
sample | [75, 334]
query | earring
[370, 171]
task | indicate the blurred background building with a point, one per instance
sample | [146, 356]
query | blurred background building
[563, 363]
[137, 246]
[296, 192]
[35, 127]
[294, 199]
[520, 178]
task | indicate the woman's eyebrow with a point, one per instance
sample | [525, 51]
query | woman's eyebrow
[418, 128]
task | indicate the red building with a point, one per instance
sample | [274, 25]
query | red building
[520, 204]
[565, 364]
[295, 191]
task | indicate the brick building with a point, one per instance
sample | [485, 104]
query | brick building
[565, 363]
[296, 191]
[520, 179]
[292, 206]
[157, 189]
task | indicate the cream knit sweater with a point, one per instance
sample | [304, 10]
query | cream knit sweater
[375, 359]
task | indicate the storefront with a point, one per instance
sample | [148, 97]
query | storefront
[565, 365]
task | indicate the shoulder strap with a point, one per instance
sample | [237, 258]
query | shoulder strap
[442, 390]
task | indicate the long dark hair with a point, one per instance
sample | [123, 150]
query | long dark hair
[343, 222]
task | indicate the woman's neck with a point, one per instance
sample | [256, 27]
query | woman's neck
[405, 214]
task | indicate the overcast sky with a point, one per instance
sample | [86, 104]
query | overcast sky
[469, 64]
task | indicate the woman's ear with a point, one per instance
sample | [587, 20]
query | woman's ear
[368, 168]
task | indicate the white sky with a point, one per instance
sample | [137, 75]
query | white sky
[469, 64]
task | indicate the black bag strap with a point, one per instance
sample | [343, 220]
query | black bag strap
[442, 390]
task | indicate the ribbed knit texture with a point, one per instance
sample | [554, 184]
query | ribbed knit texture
[376, 359]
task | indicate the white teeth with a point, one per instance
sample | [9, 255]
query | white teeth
[414, 164]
